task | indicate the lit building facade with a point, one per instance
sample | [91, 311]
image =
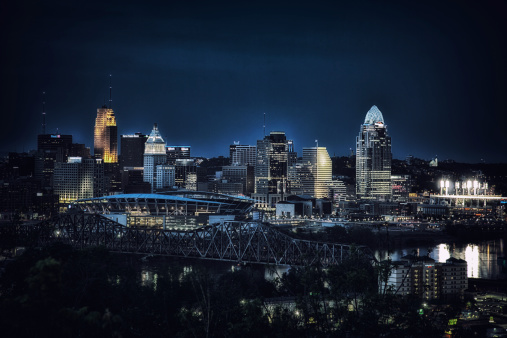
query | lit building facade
[78, 178]
[165, 176]
[177, 152]
[373, 158]
[243, 155]
[401, 187]
[320, 167]
[428, 279]
[186, 174]
[271, 169]
[154, 154]
[105, 145]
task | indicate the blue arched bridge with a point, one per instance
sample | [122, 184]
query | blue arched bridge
[242, 242]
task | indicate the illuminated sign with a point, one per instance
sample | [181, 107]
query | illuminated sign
[55, 136]
[170, 148]
[184, 149]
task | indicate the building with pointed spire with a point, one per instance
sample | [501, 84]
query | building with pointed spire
[154, 154]
[373, 158]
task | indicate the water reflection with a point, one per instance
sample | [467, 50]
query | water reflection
[481, 258]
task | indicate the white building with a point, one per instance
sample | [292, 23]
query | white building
[244, 155]
[165, 176]
[154, 154]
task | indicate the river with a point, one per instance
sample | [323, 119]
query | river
[482, 257]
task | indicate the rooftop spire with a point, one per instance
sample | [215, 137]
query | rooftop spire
[110, 93]
[43, 113]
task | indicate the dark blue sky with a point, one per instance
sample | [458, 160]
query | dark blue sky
[206, 71]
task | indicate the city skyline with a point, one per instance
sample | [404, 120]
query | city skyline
[208, 74]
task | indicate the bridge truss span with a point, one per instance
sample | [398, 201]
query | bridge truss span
[242, 242]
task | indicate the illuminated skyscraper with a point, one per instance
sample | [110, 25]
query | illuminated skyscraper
[78, 178]
[321, 172]
[271, 169]
[106, 136]
[373, 158]
[154, 154]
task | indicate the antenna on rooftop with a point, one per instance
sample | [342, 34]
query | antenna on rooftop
[110, 93]
[43, 113]
[264, 125]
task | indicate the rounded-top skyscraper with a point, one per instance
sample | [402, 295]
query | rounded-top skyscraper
[373, 116]
[373, 158]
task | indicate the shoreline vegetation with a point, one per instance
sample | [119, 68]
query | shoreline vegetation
[93, 292]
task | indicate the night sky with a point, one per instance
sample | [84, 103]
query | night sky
[207, 71]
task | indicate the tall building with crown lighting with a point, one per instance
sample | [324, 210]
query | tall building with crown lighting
[373, 158]
[154, 154]
[105, 145]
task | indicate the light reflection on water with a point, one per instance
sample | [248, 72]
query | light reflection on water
[481, 258]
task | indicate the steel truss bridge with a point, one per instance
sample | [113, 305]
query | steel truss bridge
[241, 242]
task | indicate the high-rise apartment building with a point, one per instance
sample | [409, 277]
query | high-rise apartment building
[132, 150]
[78, 178]
[105, 145]
[373, 158]
[321, 172]
[271, 169]
[154, 154]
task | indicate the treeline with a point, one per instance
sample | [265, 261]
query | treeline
[62, 292]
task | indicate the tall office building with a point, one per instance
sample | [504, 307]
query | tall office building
[51, 148]
[320, 167]
[271, 169]
[373, 158]
[78, 178]
[105, 145]
[154, 154]
[132, 150]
